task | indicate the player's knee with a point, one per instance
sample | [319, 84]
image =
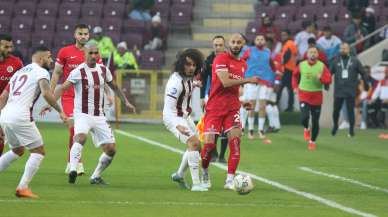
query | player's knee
[193, 144]
[209, 138]
[80, 138]
[109, 149]
[19, 151]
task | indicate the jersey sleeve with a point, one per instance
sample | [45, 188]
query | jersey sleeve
[109, 76]
[220, 63]
[173, 89]
[43, 74]
[61, 58]
[74, 76]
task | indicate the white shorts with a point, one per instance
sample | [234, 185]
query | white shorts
[22, 134]
[97, 125]
[257, 92]
[172, 123]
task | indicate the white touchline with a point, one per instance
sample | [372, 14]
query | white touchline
[306, 169]
[261, 179]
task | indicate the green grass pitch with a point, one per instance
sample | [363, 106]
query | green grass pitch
[140, 184]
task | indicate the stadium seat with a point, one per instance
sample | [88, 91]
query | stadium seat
[57, 2]
[115, 1]
[44, 25]
[181, 17]
[295, 26]
[28, 1]
[322, 23]
[286, 13]
[335, 2]
[22, 24]
[62, 39]
[5, 24]
[132, 39]
[47, 10]
[328, 13]
[339, 27]
[21, 40]
[66, 25]
[42, 39]
[377, 3]
[151, 59]
[251, 30]
[294, 2]
[90, 21]
[92, 10]
[164, 11]
[114, 10]
[266, 11]
[162, 2]
[307, 13]
[6, 9]
[93, 1]
[344, 14]
[316, 3]
[68, 9]
[24, 9]
[183, 2]
[281, 23]
[72, 1]
[134, 26]
[112, 25]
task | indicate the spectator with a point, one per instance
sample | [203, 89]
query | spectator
[354, 32]
[330, 44]
[140, 9]
[365, 96]
[268, 29]
[123, 58]
[369, 20]
[289, 54]
[105, 44]
[156, 41]
[321, 55]
[346, 69]
[302, 37]
[380, 97]
[384, 33]
[356, 7]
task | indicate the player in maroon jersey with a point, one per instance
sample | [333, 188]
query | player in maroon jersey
[68, 58]
[9, 64]
[223, 107]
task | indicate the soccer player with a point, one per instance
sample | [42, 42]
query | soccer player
[223, 107]
[9, 64]
[16, 104]
[88, 80]
[260, 64]
[69, 58]
[177, 110]
[308, 81]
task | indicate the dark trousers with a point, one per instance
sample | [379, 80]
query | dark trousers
[315, 112]
[350, 103]
[286, 83]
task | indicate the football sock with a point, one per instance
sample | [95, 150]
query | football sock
[71, 137]
[229, 177]
[103, 163]
[206, 154]
[276, 117]
[251, 122]
[7, 158]
[182, 168]
[234, 155]
[193, 161]
[244, 117]
[30, 169]
[261, 123]
[269, 111]
[75, 155]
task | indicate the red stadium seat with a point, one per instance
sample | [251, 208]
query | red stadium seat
[47, 10]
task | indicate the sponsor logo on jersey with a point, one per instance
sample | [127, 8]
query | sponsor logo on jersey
[9, 69]
[73, 66]
[4, 78]
[236, 77]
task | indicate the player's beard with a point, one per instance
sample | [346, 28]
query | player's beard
[235, 52]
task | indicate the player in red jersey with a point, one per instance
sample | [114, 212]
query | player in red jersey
[69, 58]
[223, 107]
[9, 64]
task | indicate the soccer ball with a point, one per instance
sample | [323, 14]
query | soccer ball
[243, 184]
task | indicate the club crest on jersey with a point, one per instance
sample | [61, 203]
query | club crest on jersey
[9, 69]
[173, 91]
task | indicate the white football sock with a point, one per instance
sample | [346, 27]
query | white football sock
[193, 160]
[6, 159]
[103, 163]
[75, 156]
[276, 117]
[251, 122]
[261, 123]
[32, 165]
[244, 117]
[269, 111]
[184, 164]
[229, 177]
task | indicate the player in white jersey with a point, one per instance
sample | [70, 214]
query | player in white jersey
[19, 129]
[88, 80]
[176, 114]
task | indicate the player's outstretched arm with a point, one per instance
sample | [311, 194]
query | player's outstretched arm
[50, 99]
[112, 84]
[223, 75]
[4, 98]
[58, 71]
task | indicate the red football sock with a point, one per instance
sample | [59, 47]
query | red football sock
[234, 156]
[206, 154]
[71, 131]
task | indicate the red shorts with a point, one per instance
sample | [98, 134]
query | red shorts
[218, 121]
[68, 106]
